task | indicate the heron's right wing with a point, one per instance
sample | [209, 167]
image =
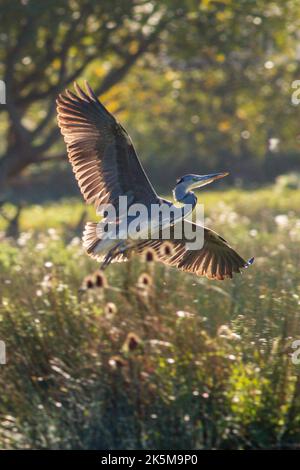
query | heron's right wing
[102, 155]
[215, 260]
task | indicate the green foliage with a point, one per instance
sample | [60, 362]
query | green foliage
[46, 46]
[199, 84]
[179, 363]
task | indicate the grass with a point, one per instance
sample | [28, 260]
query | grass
[179, 363]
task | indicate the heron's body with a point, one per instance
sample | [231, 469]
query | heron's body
[106, 167]
[108, 236]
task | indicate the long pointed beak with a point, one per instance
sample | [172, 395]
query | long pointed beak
[221, 175]
[203, 180]
[213, 176]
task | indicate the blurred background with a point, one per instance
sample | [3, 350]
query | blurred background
[149, 357]
[200, 86]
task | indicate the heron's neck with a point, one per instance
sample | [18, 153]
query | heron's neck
[183, 196]
[187, 198]
[188, 201]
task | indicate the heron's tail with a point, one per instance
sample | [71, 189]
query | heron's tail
[99, 244]
[91, 238]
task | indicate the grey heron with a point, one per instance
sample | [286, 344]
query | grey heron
[106, 167]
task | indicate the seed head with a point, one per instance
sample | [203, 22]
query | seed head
[144, 280]
[132, 342]
[100, 280]
[88, 282]
[110, 308]
[150, 255]
[166, 249]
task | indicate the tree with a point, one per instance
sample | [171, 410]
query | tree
[221, 95]
[209, 82]
[47, 45]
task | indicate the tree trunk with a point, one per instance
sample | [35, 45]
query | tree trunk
[12, 163]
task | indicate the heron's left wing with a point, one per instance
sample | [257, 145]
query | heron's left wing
[215, 260]
[102, 155]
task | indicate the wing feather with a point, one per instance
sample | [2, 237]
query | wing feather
[215, 260]
[103, 158]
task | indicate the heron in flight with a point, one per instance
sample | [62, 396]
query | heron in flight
[106, 167]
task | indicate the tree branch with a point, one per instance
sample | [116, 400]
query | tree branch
[115, 75]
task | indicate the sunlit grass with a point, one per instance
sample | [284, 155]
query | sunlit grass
[174, 362]
[253, 204]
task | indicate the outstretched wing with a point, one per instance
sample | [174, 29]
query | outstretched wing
[102, 155]
[215, 260]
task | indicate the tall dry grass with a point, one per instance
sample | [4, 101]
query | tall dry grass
[151, 358]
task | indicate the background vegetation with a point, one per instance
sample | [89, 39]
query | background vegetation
[199, 85]
[149, 357]
[164, 360]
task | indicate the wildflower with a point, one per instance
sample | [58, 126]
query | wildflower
[281, 220]
[116, 362]
[183, 314]
[61, 287]
[100, 280]
[170, 360]
[76, 241]
[132, 342]
[224, 331]
[253, 232]
[110, 308]
[157, 342]
[236, 337]
[53, 234]
[273, 144]
[231, 357]
[46, 282]
[23, 238]
[40, 246]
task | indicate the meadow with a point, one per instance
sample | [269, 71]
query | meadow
[148, 357]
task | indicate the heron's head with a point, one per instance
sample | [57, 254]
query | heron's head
[189, 182]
